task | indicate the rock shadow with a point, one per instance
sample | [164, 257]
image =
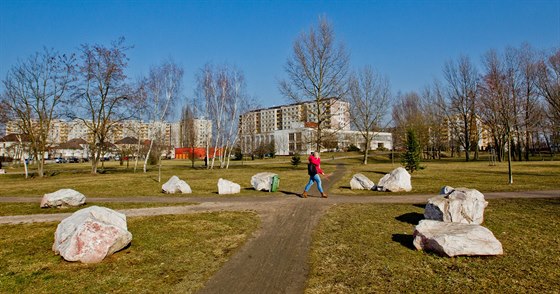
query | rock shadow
[412, 218]
[377, 172]
[405, 240]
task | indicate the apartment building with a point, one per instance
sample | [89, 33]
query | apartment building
[292, 127]
[63, 131]
[335, 114]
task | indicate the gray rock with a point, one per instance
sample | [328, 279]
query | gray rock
[453, 239]
[228, 187]
[361, 182]
[396, 181]
[262, 181]
[176, 185]
[63, 198]
[91, 234]
[461, 205]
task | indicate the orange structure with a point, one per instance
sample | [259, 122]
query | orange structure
[199, 152]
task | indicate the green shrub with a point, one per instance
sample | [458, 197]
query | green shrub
[411, 157]
[296, 160]
[353, 148]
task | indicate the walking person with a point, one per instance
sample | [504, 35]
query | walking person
[314, 170]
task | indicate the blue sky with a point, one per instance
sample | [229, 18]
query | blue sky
[408, 41]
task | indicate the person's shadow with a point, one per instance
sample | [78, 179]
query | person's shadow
[289, 193]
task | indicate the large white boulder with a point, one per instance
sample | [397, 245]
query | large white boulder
[262, 181]
[460, 205]
[176, 185]
[454, 239]
[63, 198]
[91, 234]
[396, 181]
[228, 187]
[361, 182]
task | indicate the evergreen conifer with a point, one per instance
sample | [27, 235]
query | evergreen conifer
[411, 158]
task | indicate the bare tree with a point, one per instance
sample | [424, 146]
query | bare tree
[433, 107]
[549, 88]
[369, 97]
[549, 80]
[530, 116]
[4, 117]
[223, 90]
[462, 85]
[492, 94]
[138, 111]
[500, 93]
[248, 125]
[317, 72]
[103, 93]
[35, 91]
[163, 86]
[188, 130]
[407, 115]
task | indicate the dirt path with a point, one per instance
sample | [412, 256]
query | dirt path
[275, 258]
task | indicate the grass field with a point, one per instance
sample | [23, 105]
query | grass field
[527, 176]
[368, 249]
[22, 208]
[356, 248]
[168, 254]
[117, 181]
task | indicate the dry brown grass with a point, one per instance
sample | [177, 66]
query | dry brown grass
[368, 249]
[117, 181]
[168, 254]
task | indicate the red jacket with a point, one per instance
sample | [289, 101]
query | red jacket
[317, 162]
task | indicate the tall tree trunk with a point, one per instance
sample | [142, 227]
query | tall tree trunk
[510, 175]
[476, 151]
[365, 161]
[41, 166]
[137, 155]
[26, 169]
[159, 168]
[148, 155]
[215, 150]
[527, 144]
[192, 156]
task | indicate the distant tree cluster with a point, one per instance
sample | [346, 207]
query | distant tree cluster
[512, 101]
[91, 86]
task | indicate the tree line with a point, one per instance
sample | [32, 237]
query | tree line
[512, 100]
[92, 86]
[515, 97]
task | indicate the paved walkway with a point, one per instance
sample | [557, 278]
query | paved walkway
[275, 258]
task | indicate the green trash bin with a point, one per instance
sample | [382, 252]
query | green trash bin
[275, 183]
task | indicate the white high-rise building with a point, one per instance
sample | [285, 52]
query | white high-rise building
[291, 127]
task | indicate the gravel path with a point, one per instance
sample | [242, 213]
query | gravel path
[275, 258]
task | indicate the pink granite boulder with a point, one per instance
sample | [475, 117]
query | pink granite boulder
[91, 234]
